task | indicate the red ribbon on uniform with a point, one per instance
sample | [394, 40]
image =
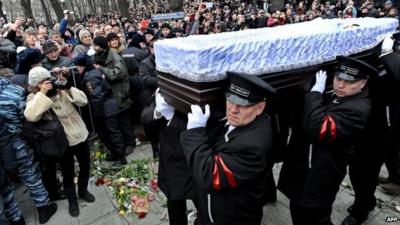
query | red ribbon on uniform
[228, 173]
[216, 178]
[328, 120]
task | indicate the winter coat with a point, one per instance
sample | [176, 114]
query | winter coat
[132, 57]
[99, 92]
[20, 80]
[62, 61]
[320, 150]
[174, 178]
[147, 70]
[12, 105]
[230, 171]
[117, 75]
[63, 104]
[63, 27]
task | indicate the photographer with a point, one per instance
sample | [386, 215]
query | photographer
[57, 95]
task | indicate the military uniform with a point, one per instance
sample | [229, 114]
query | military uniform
[230, 164]
[321, 148]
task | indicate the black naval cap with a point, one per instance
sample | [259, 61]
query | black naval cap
[245, 89]
[351, 69]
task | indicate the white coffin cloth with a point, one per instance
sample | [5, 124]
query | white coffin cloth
[203, 58]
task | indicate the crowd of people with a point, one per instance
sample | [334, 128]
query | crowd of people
[98, 76]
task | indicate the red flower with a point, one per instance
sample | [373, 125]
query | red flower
[154, 185]
[141, 215]
[100, 181]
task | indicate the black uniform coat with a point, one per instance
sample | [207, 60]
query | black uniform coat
[320, 150]
[231, 174]
[174, 178]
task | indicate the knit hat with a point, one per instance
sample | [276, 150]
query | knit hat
[37, 74]
[101, 42]
[165, 25]
[49, 46]
[82, 33]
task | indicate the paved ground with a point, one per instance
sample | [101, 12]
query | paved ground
[104, 212]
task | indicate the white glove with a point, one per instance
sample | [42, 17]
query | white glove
[387, 45]
[320, 80]
[197, 118]
[162, 106]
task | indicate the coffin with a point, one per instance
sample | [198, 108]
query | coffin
[192, 70]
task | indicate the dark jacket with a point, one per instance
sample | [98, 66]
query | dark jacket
[100, 94]
[147, 70]
[392, 65]
[62, 61]
[231, 175]
[174, 178]
[320, 150]
[132, 57]
[117, 75]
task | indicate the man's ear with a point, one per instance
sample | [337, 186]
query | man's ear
[260, 107]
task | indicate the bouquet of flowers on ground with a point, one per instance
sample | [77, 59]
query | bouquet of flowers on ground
[133, 186]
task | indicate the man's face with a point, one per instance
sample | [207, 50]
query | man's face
[107, 29]
[165, 32]
[240, 116]
[148, 37]
[87, 39]
[53, 55]
[344, 88]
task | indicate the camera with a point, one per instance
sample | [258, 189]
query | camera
[58, 83]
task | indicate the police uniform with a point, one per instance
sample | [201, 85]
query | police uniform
[230, 167]
[321, 147]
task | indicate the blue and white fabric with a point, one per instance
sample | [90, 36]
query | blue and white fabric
[204, 58]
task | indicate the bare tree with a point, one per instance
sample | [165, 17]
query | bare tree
[46, 12]
[27, 8]
[113, 5]
[1, 11]
[55, 4]
[124, 7]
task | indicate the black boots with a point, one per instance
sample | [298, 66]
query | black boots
[21, 221]
[73, 206]
[83, 192]
[46, 212]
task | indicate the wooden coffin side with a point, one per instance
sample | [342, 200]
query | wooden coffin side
[182, 93]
